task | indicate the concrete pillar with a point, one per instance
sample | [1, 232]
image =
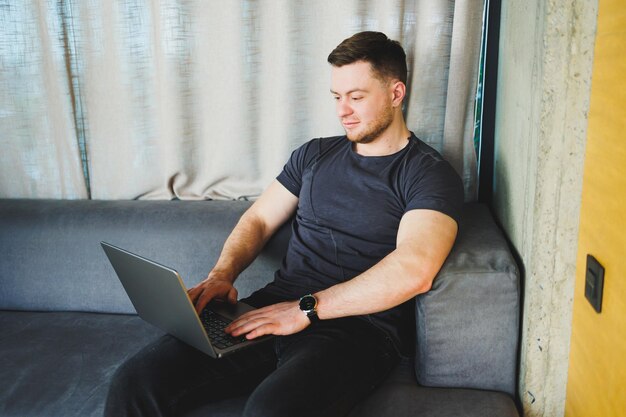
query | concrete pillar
[546, 56]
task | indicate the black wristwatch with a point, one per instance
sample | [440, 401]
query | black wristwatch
[308, 305]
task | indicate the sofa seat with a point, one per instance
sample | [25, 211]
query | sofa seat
[401, 396]
[67, 359]
[59, 364]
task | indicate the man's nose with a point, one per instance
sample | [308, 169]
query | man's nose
[343, 109]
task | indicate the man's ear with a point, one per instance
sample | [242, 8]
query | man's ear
[399, 91]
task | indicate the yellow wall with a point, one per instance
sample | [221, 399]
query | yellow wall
[597, 369]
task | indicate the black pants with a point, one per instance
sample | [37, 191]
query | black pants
[323, 371]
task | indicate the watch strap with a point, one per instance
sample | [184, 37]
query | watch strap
[312, 315]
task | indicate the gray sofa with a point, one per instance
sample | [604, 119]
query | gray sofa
[66, 323]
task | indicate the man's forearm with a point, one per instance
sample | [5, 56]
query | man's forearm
[394, 280]
[273, 208]
[241, 248]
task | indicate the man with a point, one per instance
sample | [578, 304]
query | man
[376, 215]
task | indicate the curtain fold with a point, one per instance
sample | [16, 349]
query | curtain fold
[39, 151]
[206, 99]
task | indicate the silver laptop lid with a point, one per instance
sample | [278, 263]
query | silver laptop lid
[159, 296]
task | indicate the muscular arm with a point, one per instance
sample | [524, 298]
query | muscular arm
[275, 206]
[424, 240]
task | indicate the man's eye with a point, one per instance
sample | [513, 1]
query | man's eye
[336, 98]
[357, 98]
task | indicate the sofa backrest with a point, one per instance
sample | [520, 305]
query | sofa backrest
[51, 257]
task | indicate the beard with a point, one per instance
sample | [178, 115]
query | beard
[372, 131]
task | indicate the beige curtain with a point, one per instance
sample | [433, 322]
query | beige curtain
[206, 99]
[39, 155]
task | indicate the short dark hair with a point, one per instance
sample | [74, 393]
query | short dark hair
[386, 56]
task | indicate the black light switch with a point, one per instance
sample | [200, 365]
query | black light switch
[594, 282]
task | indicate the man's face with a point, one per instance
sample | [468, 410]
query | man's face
[364, 102]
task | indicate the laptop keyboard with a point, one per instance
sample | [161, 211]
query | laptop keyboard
[214, 325]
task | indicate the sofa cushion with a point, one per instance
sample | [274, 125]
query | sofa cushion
[401, 396]
[468, 323]
[60, 364]
[52, 259]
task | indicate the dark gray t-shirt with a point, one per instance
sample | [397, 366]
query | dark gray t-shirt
[348, 215]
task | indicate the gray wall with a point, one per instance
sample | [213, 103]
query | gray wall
[546, 56]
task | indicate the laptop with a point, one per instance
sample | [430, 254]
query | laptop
[160, 298]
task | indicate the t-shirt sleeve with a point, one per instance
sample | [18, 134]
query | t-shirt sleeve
[300, 159]
[438, 187]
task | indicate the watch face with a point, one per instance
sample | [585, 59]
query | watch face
[307, 303]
